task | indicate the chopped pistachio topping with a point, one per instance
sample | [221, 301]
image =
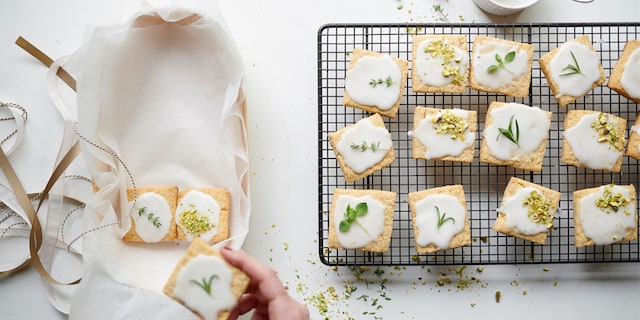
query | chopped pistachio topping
[450, 62]
[538, 209]
[607, 130]
[611, 202]
[451, 124]
[195, 223]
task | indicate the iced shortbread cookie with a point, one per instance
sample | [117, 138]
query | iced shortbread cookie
[444, 134]
[605, 215]
[152, 216]
[363, 148]
[361, 219]
[203, 214]
[440, 219]
[501, 66]
[527, 211]
[572, 70]
[625, 76]
[515, 135]
[375, 82]
[205, 283]
[439, 63]
[593, 140]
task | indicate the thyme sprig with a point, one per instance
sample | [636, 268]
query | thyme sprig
[387, 82]
[443, 218]
[507, 58]
[155, 220]
[351, 215]
[443, 15]
[509, 134]
[573, 69]
[205, 284]
[364, 146]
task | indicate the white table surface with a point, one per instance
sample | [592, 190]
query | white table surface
[277, 40]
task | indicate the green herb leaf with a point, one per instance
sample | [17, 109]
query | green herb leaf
[364, 146]
[572, 69]
[204, 284]
[509, 134]
[387, 82]
[155, 220]
[344, 226]
[362, 209]
[351, 215]
[509, 57]
[443, 218]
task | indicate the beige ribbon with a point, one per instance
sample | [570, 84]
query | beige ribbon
[36, 233]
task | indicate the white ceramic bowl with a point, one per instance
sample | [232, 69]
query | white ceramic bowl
[504, 7]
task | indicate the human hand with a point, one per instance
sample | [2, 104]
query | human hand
[266, 294]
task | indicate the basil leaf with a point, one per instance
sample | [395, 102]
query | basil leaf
[510, 56]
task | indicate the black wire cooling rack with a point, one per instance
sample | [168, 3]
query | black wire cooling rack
[483, 183]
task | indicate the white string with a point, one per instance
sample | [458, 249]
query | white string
[130, 176]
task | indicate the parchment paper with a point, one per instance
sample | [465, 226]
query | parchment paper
[159, 97]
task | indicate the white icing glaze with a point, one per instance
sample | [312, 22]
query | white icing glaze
[206, 206]
[440, 145]
[195, 297]
[372, 221]
[369, 68]
[583, 140]
[534, 128]
[630, 79]
[486, 56]
[606, 228]
[150, 206]
[429, 68]
[427, 220]
[364, 132]
[518, 214]
[579, 84]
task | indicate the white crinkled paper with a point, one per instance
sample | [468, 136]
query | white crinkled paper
[163, 92]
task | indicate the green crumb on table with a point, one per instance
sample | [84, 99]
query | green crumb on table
[479, 269]
[473, 304]
[555, 283]
[524, 292]
[545, 269]
[399, 7]
[498, 296]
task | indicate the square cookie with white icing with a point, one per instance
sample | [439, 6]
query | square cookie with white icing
[572, 70]
[375, 82]
[439, 63]
[593, 140]
[515, 135]
[205, 283]
[203, 213]
[361, 219]
[605, 215]
[440, 218]
[624, 76]
[527, 211]
[363, 148]
[152, 215]
[633, 145]
[444, 134]
[501, 66]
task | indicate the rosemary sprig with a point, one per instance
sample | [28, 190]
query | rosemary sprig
[364, 146]
[351, 215]
[507, 58]
[443, 218]
[387, 82]
[155, 220]
[508, 132]
[573, 69]
[205, 285]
